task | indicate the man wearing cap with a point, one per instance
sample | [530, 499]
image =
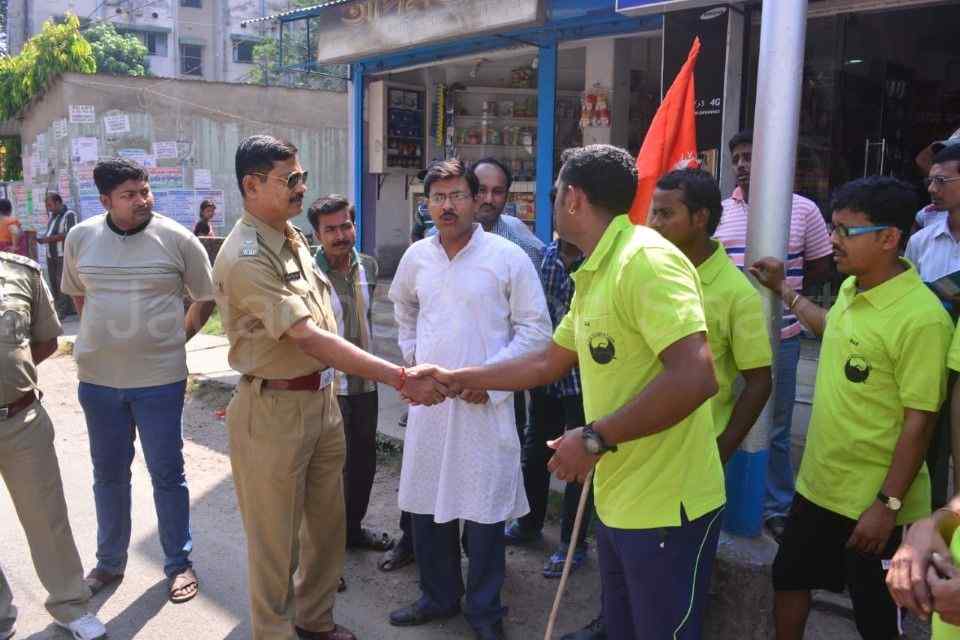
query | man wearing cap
[932, 212]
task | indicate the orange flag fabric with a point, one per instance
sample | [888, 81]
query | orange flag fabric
[671, 141]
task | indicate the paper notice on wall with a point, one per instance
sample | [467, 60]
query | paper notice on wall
[165, 150]
[90, 206]
[136, 155]
[41, 142]
[202, 179]
[83, 114]
[63, 185]
[116, 124]
[166, 178]
[84, 150]
[60, 129]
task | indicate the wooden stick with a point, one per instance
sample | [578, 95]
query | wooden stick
[570, 550]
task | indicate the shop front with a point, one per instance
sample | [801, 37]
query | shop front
[517, 80]
[881, 81]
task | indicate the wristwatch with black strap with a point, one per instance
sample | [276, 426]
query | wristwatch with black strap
[594, 443]
[894, 504]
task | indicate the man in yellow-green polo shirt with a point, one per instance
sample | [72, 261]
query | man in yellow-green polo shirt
[637, 330]
[880, 382]
[686, 211]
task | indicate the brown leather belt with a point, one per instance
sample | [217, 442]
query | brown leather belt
[311, 382]
[17, 405]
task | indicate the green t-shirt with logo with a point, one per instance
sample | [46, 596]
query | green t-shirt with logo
[943, 630]
[635, 296]
[736, 330]
[884, 350]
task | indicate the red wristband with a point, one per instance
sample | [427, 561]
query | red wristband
[403, 379]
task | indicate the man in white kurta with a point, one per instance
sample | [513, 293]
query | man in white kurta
[463, 297]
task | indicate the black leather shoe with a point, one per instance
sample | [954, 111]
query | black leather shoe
[493, 632]
[414, 615]
[596, 630]
[776, 526]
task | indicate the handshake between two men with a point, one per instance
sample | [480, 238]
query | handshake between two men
[429, 384]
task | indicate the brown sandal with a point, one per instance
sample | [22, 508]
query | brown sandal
[183, 586]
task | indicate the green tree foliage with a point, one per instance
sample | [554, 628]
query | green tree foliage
[121, 54]
[272, 70]
[58, 48]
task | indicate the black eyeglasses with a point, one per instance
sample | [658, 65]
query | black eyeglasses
[292, 180]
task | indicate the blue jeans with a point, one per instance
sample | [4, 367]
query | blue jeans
[156, 413]
[655, 581]
[780, 486]
[437, 548]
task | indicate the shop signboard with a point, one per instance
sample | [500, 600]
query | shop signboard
[370, 27]
[647, 7]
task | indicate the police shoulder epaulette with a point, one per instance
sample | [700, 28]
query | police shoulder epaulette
[18, 259]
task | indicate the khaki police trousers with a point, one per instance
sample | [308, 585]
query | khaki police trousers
[29, 467]
[287, 450]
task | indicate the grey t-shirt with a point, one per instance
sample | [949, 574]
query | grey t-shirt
[131, 329]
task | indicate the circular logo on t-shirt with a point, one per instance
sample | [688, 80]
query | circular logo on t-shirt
[602, 349]
[857, 369]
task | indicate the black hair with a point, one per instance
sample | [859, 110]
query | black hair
[741, 137]
[56, 196]
[6, 208]
[950, 153]
[207, 203]
[257, 154]
[497, 164]
[332, 203]
[446, 169]
[884, 200]
[110, 174]
[606, 174]
[700, 191]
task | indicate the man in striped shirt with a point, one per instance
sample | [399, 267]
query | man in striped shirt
[807, 261]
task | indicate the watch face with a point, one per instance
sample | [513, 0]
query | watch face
[894, 504]
[591, 445]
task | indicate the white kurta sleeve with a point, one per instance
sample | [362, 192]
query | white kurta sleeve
[406, 306]
[528, 315]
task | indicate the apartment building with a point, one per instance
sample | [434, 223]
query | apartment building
[185, 38]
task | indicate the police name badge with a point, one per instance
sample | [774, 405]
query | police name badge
[249, 248]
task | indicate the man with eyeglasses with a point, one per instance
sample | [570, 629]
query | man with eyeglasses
[881, 379]
[287, 444]
[807, 262]
[935, 252]
[463, 297]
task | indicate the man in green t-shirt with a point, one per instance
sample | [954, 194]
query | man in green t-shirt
[880, 381]
[686, 211]
[637, 330]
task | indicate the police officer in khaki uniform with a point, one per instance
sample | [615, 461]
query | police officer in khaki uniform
[287, 444]
[28, 462]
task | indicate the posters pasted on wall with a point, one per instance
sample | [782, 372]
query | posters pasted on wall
[82, 114]
[84, 150]
[116, 123]
[165, 150]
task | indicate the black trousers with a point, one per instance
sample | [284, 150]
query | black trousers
[360, 427]
[551, 417]
[61, 302]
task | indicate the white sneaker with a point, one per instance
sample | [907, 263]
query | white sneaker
[86, 627]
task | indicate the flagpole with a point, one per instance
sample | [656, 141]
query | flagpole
[775, 134]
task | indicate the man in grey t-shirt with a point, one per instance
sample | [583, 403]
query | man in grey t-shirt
[128, 270]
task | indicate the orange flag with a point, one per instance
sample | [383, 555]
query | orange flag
[671, 141]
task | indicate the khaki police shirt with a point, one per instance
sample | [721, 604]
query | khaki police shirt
[264, 284]
[26, 315]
